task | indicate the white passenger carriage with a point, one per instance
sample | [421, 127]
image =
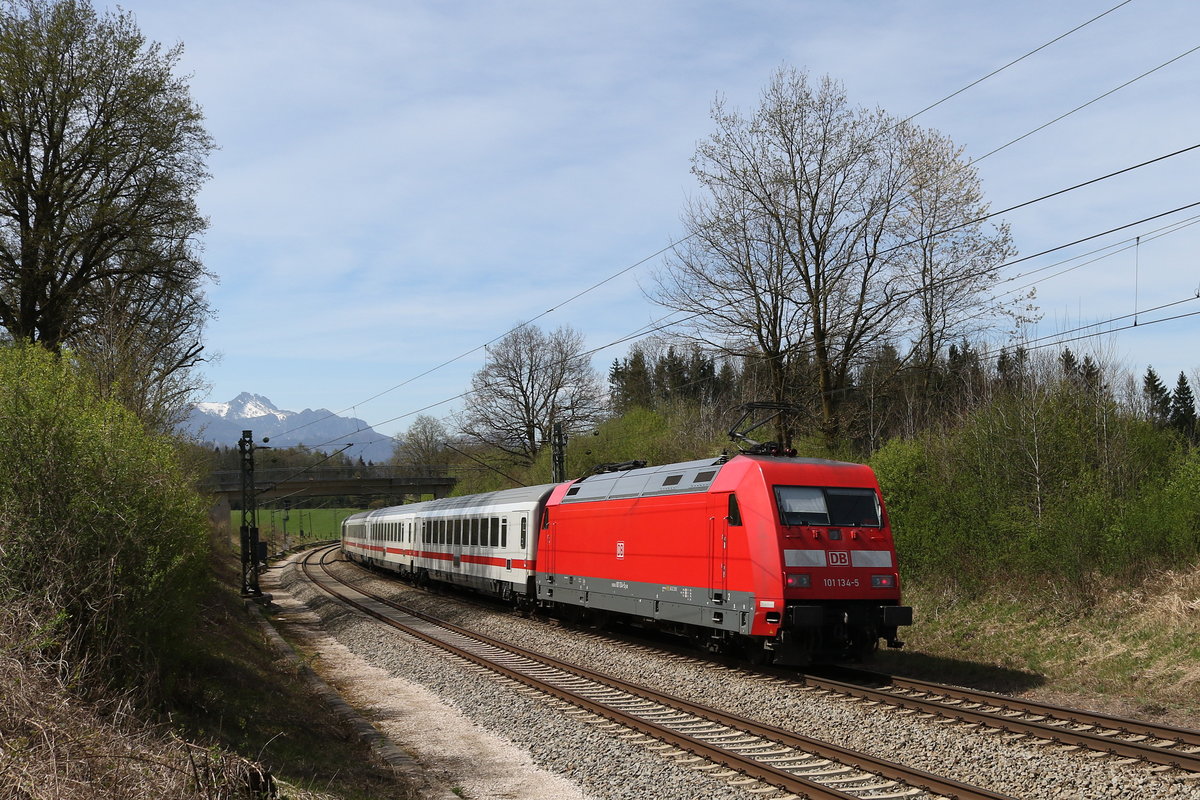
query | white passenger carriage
[487, 542]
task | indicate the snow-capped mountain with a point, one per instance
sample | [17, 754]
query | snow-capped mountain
[223, 423]
[244, 406]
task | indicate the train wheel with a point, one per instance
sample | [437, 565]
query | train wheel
[756, 653]
[863, 647]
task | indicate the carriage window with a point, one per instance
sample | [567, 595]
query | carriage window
[475, 531]
[504, 531]
[524, 527]
[458, 531]
[495, 532]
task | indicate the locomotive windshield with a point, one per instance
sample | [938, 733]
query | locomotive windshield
[816, 505]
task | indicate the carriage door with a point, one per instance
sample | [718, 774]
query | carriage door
[718, 549]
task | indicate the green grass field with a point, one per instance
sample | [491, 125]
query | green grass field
[301, 525]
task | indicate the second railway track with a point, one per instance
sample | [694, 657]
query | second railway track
[1162, 745]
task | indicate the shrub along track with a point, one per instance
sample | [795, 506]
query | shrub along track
[748, 752]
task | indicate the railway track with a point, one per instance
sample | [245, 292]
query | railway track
[761, 758]
[1164, 746]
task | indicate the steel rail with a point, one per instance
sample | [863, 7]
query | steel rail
[1181, 736]
[789, 781]
[774, 776]
[1047, 722]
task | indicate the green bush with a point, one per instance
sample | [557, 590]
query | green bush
[1048, 482]
[101, 536]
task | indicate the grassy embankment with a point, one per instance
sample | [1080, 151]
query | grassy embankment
[237, 695]
[128, 667]
[1132, 651]
[1050, 542]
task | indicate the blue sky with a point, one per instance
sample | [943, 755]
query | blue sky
[401, 182]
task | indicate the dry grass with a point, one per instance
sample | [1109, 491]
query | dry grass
[1170, 597]
[1131, 649]
[54, 746]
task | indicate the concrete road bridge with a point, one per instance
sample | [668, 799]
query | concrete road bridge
[281, 482]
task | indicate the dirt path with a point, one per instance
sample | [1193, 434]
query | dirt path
[467, 759]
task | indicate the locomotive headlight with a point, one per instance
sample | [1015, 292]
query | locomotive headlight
[797, 581]
[883, 581]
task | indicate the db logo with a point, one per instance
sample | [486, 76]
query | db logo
[620, 549]
[839, 558]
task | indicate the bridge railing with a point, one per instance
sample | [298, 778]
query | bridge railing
[375, 473]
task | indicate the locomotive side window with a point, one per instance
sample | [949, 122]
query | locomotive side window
[735, 513]
[814, 505]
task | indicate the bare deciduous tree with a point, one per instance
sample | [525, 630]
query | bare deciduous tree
[422, 448]
[529, 381]
[805, 243]
[949, 263]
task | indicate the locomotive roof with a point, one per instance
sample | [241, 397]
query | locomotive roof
[682, 478]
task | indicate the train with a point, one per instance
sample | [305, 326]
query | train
[774, 558]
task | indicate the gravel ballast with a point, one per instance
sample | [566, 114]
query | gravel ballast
[607, 766]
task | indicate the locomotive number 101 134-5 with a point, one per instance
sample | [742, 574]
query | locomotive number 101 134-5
[841, 582]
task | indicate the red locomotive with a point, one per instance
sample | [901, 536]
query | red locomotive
[784, 559]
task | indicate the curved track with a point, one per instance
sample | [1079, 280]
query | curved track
[749, 751]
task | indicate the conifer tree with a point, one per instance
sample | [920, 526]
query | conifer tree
[1158, 399]
[1183, 408]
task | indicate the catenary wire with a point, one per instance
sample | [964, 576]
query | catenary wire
[1016, 61]
[1085, 105]
[646, 329]
[675, 244]
[655, 326]
[682, 240]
